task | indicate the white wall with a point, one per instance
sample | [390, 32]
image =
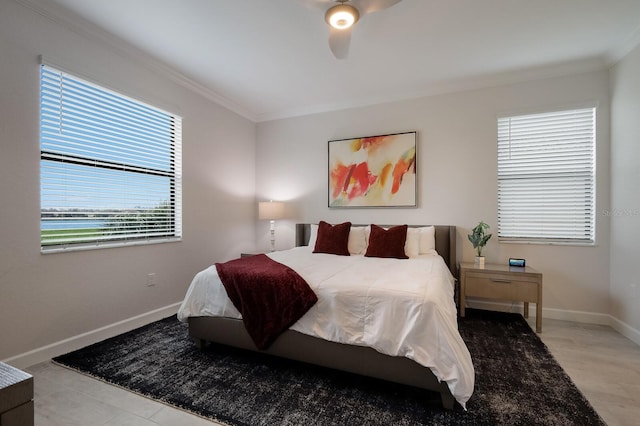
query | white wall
[457, 175]
[625, 196]
[48, 298]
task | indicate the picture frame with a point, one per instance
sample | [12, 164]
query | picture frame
[373, 171]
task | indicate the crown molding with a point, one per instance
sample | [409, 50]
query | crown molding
[446, 87]
[615, 55]
[82, 27]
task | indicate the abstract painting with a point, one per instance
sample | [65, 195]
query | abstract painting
[373, 171]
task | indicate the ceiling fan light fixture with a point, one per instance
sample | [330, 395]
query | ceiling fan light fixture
[342, 16]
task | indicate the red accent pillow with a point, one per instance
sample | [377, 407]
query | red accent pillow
[333, 239]
[387, 243]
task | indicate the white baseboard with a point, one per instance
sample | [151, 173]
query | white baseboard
[47, 352]
[626, 330]
[575, 316]
[559, 314]
[563, 315]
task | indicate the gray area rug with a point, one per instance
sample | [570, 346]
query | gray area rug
[518, 382]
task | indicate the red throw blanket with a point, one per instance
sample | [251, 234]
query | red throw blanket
[270, 296]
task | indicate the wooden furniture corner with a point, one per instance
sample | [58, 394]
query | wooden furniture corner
[16, 397]
[246, 254]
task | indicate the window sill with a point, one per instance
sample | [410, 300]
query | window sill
[549, 243]
[95, 246]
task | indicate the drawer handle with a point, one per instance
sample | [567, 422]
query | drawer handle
[501, 280]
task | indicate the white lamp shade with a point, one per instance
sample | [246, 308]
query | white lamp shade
[270, 210]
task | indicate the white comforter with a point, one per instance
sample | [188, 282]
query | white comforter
[398, 307]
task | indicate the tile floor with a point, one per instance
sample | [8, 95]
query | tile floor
[602, 363]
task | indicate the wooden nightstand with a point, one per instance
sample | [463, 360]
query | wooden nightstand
[250, 254]
[502, 282]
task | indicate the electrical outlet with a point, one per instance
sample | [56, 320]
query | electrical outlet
[151, 279]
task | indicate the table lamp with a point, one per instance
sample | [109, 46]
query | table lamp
[271, 210]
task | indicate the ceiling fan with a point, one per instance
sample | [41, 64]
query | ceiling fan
[343, 16]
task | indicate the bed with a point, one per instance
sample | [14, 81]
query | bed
[444, 367]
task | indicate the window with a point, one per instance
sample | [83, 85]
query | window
[110, 167]
[546, 177]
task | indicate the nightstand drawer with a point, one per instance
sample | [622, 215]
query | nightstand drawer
[501, 287]
[504, 276]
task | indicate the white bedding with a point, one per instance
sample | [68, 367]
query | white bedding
[398, 307]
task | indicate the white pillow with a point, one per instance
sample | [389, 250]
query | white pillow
[357, 240]
[313, 235]
[427, 240]
[412, 244]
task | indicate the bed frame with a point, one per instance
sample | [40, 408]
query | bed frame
[353, 359]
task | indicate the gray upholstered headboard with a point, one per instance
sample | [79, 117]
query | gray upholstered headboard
[445, 241]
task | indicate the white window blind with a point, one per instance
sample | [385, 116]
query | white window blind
[110, 166]
[546, 177]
